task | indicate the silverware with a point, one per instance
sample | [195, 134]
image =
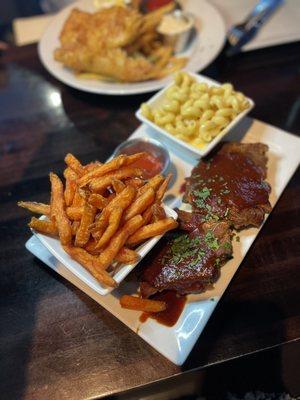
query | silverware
[242, 33]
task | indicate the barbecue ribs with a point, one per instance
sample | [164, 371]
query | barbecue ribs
[227, 191]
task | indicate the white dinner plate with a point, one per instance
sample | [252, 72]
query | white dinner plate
[176, 342]
[202, 51]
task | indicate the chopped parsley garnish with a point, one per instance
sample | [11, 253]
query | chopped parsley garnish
[211, 241]
[227, 245]
[218, 263]
[183, 247]
[202, 194]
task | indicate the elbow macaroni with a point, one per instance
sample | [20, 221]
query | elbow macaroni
[195, 112]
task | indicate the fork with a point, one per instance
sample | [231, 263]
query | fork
[242, 33]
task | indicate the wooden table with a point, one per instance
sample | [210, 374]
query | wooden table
[57, 343]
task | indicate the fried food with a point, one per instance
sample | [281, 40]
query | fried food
[58, 207]
[127, 256]
[140, 204]
[116, 43]
[37, 208]
[70, 187]
[93, 228]
[113, 224]
[83, 232]
[119, 240]
[91, 264]
[144, 305]
[42, 226]
[148, 231]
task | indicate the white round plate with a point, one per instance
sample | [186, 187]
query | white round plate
[202, 51]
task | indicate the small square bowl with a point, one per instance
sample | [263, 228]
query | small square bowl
[156, 101]
[55, 248]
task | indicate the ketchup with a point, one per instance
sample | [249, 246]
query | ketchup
[150, 165]
[154, 4]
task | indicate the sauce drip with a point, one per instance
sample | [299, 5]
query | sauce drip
[175, 305]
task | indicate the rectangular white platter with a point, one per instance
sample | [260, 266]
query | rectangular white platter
[176, 342]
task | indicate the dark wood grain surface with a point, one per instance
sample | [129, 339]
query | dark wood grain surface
[57, 343]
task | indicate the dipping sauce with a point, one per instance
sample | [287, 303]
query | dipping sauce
[154, 4]
[175, 305]
[157, 158]
[172, 24]
[150, 165]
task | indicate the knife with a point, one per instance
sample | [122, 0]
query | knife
[242, 33]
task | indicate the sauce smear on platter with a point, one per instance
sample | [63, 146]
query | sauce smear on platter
[175, 305]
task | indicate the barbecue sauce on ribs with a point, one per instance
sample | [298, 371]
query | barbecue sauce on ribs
[226, 192]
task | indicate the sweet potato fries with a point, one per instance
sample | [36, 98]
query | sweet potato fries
[101, 212]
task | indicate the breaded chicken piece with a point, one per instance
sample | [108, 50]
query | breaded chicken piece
[98, 43]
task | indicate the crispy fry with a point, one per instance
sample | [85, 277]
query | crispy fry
[74, 213]
[74, 164]
[118, 241]
[70, 187]
[113, 225]
[97, 201]
[154, 183]
[38, 208]
[158, 212]
[75, 226]
[91, 264]
[91, 166]
[111, 197]
[139, 304]
[135, 182]
[83, 232]
[103, 169]
[113, 165]
[127, 256]
[122, 200]
[90, 247]
[140, 204]
[58, 209]
[100, 225]
[161, 185]
[100, 184]
[151, 230]
[42, 226]
[152, 19]
[78, 200]
[147, 215]
[118, 185]
[162, 189]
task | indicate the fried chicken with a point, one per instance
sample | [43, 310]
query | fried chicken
[110, 43]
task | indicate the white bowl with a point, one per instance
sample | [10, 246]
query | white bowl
[55, 248]
[156, 101]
